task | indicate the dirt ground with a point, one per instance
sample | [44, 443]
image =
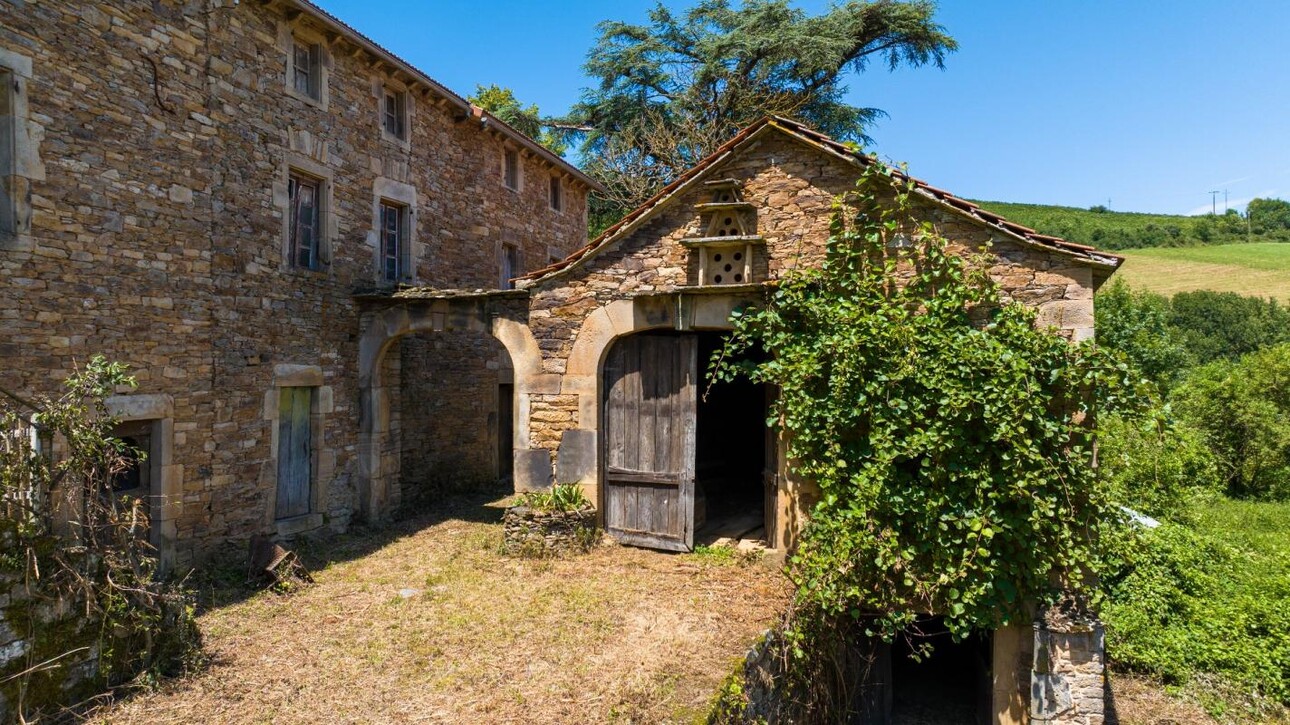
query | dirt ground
[427, 622]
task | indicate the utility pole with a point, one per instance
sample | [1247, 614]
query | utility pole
[1224, 201]
[1213, 203]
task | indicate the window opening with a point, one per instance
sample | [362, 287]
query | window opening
[305, 69]
[510, 265]
[393, 241]
[304, 217]
[557, 194]
[395, 114]
[511, 169]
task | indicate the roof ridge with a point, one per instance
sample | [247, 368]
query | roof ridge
[819, 139]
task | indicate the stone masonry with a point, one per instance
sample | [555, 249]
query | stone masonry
[147, 190]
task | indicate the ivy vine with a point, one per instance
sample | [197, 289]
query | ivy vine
[950, 438]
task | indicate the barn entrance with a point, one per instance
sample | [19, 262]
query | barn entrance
[679, 456]
[734, 462]
[950, 686]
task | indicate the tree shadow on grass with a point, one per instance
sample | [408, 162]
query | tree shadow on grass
[223, 579]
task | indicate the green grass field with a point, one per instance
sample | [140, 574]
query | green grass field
[1259, 269]
[1132, 230]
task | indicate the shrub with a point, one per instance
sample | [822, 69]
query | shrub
[1137, 325]
[1243, 410]
[1225, 325]
[1157, 465]
[1190, 602]
[561, 497]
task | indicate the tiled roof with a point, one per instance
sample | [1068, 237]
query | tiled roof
[466, 107]
[818, 140]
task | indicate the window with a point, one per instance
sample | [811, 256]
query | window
[557, 194]
[394, 241]
[394, 113]
[510, 265]
[295, 453]
[304, 225]
[511, 169]
[8, 161]
[306, 69]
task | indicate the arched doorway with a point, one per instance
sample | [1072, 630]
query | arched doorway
[482, 355]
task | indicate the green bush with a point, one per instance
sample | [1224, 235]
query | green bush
[1138, 325]
[1225, 325]
[1207, 600]
[1243, 410]
[1156, 465]
[561, 497]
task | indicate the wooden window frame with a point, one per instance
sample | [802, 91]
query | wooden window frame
[394, 113]
[296, 224]
[20, 162]
[509, 265]
[555, 194]
[512, 169]
[311, 75]
[393, 240]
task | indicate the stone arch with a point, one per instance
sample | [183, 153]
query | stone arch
[617, 319]
[381, 329]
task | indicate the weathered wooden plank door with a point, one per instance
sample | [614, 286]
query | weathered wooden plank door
[295, 456]
[650, 408]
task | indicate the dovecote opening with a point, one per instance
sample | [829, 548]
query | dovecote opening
[729, 224]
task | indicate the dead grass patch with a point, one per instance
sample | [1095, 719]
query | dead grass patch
[436, 625]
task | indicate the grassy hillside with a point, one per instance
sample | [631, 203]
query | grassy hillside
[1130, 230]
[1260, 269]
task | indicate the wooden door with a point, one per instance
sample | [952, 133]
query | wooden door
[295, 454]
[650, 408]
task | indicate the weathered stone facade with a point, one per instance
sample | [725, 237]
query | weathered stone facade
[644, 274]
[153, 144]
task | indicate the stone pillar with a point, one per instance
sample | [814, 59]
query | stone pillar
[1068, 678]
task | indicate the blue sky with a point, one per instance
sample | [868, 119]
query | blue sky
[1148, 104]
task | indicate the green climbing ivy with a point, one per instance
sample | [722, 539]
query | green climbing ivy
[948, 435]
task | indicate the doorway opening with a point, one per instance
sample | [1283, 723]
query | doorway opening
[951, 685]
[734, 456]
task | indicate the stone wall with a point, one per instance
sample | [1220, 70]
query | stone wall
[164, 134]
[648, 279]
[449, 394]
[1068, 679]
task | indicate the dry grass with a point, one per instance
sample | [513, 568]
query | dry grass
[1261, 269]
[429, 623]
[1139, 700]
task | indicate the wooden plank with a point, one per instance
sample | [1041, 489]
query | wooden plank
[294, 453]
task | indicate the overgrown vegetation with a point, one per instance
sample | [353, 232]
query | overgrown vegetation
[1206, 595]
[78, 551]
[947, 434]
[561, 497]
[1107, 229]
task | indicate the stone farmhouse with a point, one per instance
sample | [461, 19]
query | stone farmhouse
[607, 348]
[343, 289]
[197, 189]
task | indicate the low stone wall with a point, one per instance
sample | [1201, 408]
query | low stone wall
[1068, 678]
[532, 532]
[49, 638]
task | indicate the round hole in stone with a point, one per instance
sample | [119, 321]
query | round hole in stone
[717, 279]
[728, 268]
[739, 256]
[739, 278]
[729, 221]
[716, 257]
